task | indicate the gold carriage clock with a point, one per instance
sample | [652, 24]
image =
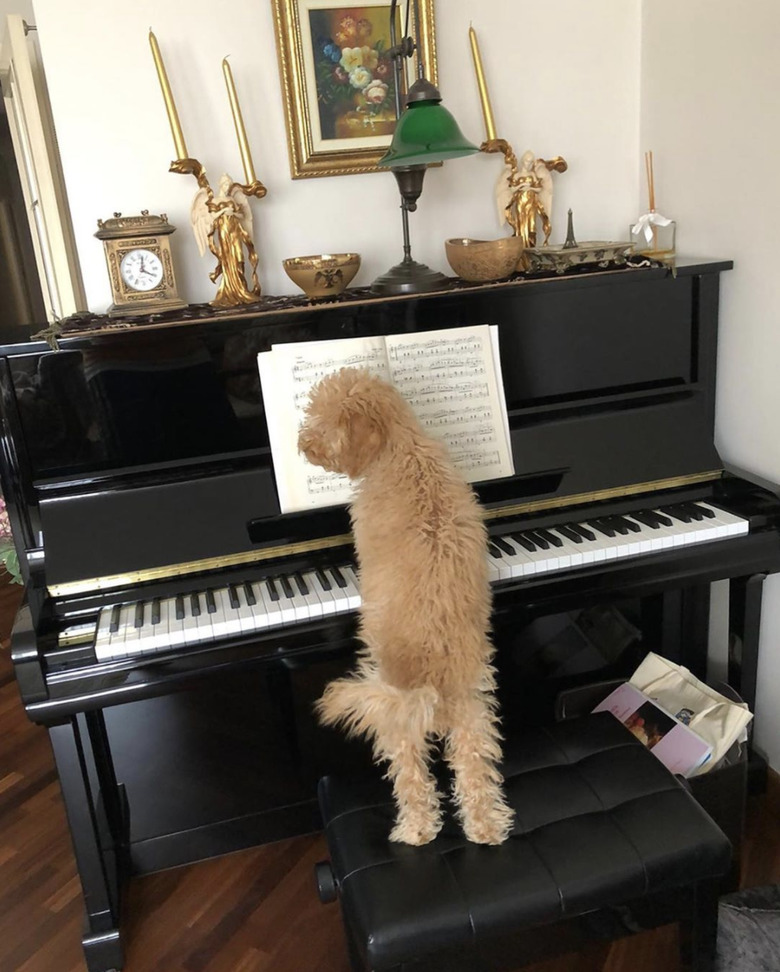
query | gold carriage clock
[138, 254]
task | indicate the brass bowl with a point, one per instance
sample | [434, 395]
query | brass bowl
[323, 275]
[481, 261]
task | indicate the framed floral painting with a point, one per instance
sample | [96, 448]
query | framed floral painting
[337, 80]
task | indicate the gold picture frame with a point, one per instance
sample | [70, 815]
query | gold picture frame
[339, 107]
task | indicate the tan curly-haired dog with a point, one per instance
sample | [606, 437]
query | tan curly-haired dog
[425, 670]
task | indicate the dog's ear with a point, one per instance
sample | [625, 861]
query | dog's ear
[357, 440]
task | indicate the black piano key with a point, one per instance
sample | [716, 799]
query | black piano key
[693, 511]
[494, 550]
[235, 601]
[633, 527]
[113, 626]
[550, 538]
[211, 603]
[303, 587]
[583, 531]
[179, 607]
[503, 545]
[664, 520]
[322, 577]
[601, 527]
[677, 514]
[286, 587]
[139, 614]
[524, 542]
[541, 543]
[338, 576]
[569, 533]
[271, 588]
[704, 511]
[195, 605]
[156, 611]
[617, 525]
[249, 593]
[653, 520]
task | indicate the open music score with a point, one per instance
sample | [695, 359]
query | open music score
[451, 378]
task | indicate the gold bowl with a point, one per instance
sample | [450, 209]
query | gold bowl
[323, 275]
[481, 261]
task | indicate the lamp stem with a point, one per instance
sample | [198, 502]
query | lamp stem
[405, 224]
[396, 58]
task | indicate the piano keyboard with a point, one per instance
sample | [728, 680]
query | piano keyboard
[162, 624]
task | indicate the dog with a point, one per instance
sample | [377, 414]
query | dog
[424, 672]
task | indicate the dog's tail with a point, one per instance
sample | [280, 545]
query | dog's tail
[364, 705]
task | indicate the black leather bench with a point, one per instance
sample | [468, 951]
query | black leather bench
[606, 841]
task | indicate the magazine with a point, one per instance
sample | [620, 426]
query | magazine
[679, 748]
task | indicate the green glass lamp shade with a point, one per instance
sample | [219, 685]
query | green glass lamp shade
[426, 132]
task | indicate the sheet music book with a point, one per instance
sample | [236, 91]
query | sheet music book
[451, 378]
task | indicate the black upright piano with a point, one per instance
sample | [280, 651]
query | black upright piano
[177, 627]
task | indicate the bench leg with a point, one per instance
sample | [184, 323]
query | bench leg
[699, 935]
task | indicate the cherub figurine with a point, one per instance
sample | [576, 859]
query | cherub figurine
[223, 222]
[524, 191]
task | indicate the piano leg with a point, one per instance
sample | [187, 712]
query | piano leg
[94, 805]
[685, 627]
[745, 627]
[744, 630]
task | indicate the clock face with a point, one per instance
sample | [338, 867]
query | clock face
[141, 270]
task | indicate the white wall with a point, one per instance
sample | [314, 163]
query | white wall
[22, 7]
[710, 77]
[564, 80]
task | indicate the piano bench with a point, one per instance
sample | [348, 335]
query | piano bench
[606, 841]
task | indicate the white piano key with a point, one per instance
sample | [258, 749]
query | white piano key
[225, 621]
[499, 568]
[520, 564]
[312, 600]
[352, 589]
[103, 634]
[327, 598]
[269, 612]
[299, 603]
[285, 605]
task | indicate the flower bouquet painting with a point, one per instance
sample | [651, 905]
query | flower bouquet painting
[354, 75]
[338, 81]
[8, 555]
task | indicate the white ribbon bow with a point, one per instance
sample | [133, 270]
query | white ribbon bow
[644, 225]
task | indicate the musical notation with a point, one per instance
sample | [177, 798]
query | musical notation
[320, 483]
[449, 378]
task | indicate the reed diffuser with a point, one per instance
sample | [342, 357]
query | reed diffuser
[653, 235]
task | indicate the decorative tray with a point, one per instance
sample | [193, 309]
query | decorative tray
[561, 258]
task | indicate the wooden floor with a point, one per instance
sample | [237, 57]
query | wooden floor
[256, 911]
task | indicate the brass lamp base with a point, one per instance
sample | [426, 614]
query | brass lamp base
[408, 277]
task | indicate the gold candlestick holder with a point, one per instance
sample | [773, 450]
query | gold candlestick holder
[222, 222]
[524, 191]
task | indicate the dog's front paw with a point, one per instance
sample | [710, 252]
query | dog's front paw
[416, 829]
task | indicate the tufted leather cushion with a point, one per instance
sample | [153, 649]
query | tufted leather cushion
[599, 821]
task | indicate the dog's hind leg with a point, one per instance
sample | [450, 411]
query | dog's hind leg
[473, 750]
[403, 738]
[399, 723]
[418, 817]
